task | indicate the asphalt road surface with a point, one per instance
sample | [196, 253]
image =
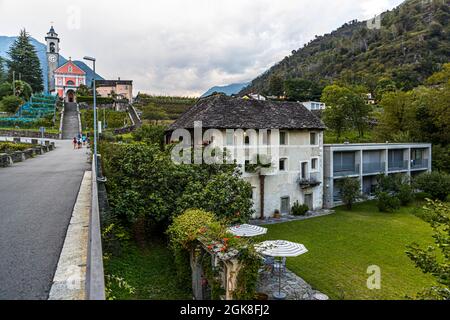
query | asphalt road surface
[36, 202]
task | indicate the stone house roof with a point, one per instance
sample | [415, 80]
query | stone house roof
[222, 112]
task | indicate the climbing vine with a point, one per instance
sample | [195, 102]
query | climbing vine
[197, 227]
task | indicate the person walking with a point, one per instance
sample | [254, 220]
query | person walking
[74, 142]
[79, 144]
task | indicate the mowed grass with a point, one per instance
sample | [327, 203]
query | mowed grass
[343, 245]
[149, 271]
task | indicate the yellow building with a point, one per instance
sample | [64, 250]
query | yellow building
[121, 88]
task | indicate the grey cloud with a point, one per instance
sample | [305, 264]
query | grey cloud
[185, 46]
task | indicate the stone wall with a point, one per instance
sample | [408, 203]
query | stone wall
[7, 159]
[28, 134]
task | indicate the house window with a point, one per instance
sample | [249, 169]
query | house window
[266, 138]
[283, 164]
[247, 140]
[230, 138]
[285, 205]
[70, 69]
[304, 168]
[314, 164]
[283, 138]
[313, 138]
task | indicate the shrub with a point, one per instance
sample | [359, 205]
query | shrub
[387, 202]
[150, 134]
[11, 103]
[350, 192]
[435, 184]
[90, 100]
[405, 194]
[299, 209]
[390, 183]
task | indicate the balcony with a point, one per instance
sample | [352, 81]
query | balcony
[419, 164]
[374, 167]
[398, 165]
[312, 180]
[345, 171]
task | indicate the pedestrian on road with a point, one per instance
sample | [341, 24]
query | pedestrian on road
[84, 140]
[79, 144]
[74, 141]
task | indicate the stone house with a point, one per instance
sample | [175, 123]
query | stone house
[287, 134]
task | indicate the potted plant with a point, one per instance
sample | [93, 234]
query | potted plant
[277, 214]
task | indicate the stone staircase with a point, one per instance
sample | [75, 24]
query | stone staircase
[71, 125]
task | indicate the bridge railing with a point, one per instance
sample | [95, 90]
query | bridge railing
[95, 281]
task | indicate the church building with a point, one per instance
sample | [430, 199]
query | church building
[63, 79]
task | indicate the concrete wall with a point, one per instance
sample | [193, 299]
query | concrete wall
[370, 154]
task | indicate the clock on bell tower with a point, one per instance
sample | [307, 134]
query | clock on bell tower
[52, 57]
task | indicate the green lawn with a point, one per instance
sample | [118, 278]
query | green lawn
[342, 246]
[149, 271]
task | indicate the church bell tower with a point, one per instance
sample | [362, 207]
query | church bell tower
[52, 57]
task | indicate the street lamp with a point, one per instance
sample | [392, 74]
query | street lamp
[95, 113]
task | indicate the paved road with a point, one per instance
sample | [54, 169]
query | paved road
[36, 202]
[70, 122]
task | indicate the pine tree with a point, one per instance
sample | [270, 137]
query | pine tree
[2, 71]
[23, 60]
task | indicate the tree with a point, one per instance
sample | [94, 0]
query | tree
[276, 86]
[350, 191]
[23, 90]
[23, 60]
[302, 90]
[145, 187]
[435, 260]
[11, 103]
[226, 195]
[435, 184]
[150, 134]
[5, 90]
[83, 91]
[2, 70]
[398, 114]
[346, 109]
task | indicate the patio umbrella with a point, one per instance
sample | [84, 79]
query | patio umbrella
[280, 248]
[247, 230]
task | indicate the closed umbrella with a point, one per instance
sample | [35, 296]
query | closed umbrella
[280, 248]
[247, 230]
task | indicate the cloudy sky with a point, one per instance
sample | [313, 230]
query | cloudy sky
[183, 47]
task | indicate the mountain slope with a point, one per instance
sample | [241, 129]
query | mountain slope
[228, 90]
[41, 49]
[411, 44]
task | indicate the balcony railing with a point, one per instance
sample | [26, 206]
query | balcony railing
[398, 165]
[419, 164]
[312, 180]
[343, 171]
[374, 167]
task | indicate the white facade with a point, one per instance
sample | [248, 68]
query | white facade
[296, 176]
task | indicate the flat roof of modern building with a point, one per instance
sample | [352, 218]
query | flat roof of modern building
[377, 145]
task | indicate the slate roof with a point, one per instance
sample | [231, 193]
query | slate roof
[113, 83]
[222, 112]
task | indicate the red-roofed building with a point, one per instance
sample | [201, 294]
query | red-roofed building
[68, 78]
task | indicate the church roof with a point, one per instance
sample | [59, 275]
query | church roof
[222, 112]
[64, 69]
[52, 33]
